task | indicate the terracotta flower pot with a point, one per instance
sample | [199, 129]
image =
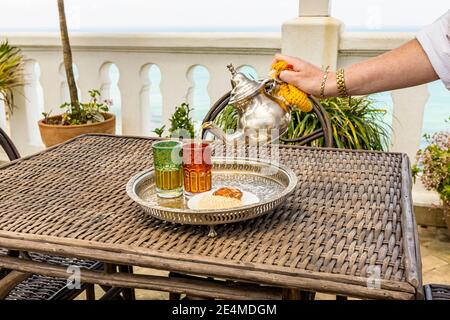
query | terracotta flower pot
[55, 134]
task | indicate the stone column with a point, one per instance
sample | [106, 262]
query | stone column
[407, 120]
[314, 35]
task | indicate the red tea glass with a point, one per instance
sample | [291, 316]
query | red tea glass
[196, 167]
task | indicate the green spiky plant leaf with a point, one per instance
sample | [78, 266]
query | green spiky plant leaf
[181, 121]
[11, 73]
[228, 118]
[159, 131]
[355, 123]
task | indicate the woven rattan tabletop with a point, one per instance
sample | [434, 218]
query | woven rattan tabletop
[348, 228]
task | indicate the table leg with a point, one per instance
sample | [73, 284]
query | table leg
[128, 293]
[173, 295]
[115, 293]
[177, 296]
[11, 253]
[11, 280]
[90, 292]
[110, 294]
[294, 294]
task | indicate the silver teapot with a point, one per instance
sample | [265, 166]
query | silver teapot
[263, 116]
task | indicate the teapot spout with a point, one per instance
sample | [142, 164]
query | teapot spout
[226, 138]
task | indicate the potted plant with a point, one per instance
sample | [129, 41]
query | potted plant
[78, 118]
[90, 117]
[355, 123]
[433, 162]
[181, 124]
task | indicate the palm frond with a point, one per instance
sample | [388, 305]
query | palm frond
[11, 72]
[228, 118]
[355, 123]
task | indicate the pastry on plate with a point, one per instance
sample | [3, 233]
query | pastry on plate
[228, 192]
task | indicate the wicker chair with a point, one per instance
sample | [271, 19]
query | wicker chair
[436, 292]
[36, 287]
[318, 110]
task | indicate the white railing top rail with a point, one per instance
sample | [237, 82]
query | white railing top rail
[238, 43]
[220, 42]
[371, 43]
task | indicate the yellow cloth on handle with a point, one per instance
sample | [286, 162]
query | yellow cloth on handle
[293, 96]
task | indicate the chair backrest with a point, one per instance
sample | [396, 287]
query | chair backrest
[8, 146]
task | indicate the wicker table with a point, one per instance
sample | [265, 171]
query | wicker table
[347, 229]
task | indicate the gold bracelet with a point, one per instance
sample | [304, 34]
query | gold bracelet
[322, 85]
[340, 83]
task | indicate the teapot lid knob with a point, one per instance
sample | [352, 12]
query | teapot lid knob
[232, 69]
[243, 86]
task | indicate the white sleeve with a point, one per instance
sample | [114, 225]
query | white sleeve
[435, 41]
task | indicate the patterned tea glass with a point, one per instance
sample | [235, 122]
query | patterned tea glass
[196, 168]
[168, 169]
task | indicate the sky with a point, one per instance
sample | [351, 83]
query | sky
[210, 15]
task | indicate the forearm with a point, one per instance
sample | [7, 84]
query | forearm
[403, 67]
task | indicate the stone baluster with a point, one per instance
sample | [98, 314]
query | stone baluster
[130, 86]
[174, 86]
[3, 123]
[407, 120]
[144, 103]
[89, 74]
[28, 110]
[314, 35]
[50, 79]
[219, 79]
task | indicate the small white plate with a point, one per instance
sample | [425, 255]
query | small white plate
[247, 198]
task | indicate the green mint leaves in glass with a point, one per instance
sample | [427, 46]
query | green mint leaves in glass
[168, 169]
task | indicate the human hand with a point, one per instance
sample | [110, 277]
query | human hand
[306, 76]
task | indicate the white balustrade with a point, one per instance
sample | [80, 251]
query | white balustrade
[173, 57]
[409, 106]
[198, 96]
[144, 100]
[4, 125]
[3, 121]
[94, 55]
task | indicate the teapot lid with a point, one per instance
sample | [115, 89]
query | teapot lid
[243, 87]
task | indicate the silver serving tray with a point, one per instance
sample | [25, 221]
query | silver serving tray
[271, 183]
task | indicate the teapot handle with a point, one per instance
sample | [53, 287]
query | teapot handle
[270, 90]
[269, 85]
